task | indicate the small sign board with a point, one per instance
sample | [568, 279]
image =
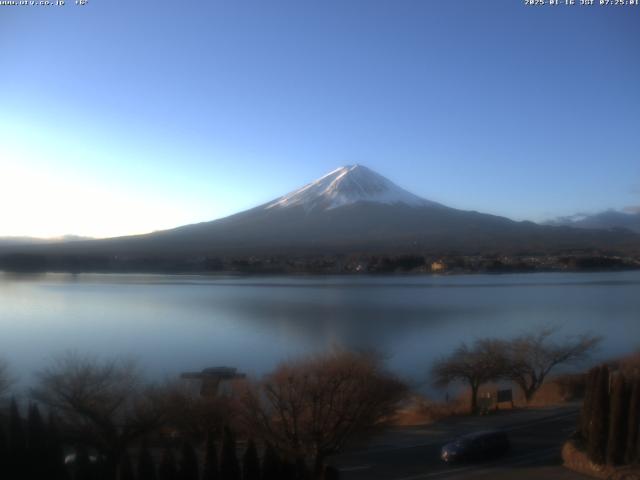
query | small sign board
[504, 396]
[485, 403]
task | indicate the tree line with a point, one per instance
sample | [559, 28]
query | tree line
[34, 449]
[102, 413]
[105, 416]
[526, 360]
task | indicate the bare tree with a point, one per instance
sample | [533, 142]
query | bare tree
[475, 365]
[309, 409]
[101, 403]
[192, 415]
[532, 356]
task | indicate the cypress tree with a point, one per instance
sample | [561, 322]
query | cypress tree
[634, 421]
[167, 469]
[146, 467]
[250, 462]
[4, 451]
[270, 464]
[638, 448]
[210, 459]
[82, 467]
[17, 443]
[585, 413]
[55, 452]
[301, 469]
[188, 463]
[287, 470]
[331, 473]
[104, 469]
[125, 469]
[599, 426]
[229, 466]
[616, 445]
[36, 444]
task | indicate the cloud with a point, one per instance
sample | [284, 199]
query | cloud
[632, 208]
[571, 218]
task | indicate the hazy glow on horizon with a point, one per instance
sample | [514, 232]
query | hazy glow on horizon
[49, 189]
[42, 203]
[129, 122]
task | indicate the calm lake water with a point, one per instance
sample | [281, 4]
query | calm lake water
[175, 323]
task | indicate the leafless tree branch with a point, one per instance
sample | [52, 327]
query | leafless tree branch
[311, 408]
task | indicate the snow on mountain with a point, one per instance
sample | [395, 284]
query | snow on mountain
[345, 186]
[377, 218]
[604, 220]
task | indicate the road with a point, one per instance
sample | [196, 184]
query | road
[412, 453]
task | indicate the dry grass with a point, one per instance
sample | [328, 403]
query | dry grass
[551, 393]
[419, 410]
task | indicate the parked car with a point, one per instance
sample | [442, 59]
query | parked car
[476, 447]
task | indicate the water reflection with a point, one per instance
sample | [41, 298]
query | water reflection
[175, 323]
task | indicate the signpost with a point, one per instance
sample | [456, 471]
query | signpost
[504, 396]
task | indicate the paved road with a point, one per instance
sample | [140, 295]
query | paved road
[413, 453]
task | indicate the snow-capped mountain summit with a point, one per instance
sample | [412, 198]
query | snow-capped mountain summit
[351, 210]
[348, 185]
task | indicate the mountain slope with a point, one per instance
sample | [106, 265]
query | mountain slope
[350, 210]
[606, 220]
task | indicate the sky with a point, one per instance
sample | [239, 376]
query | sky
[121, 117]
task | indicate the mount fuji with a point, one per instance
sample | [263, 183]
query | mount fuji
[349, 210]
[346, 186]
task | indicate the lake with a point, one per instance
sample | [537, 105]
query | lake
[174, 323]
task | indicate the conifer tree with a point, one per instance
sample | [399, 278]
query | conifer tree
[210, 471]
[125, 469]
[104, 468]
[633, 424]
[302, 470]
[167, 469]
[250, 462]
[585, 413]
[616, 445]
[270, 464]
[146, 467]
[229, 465]
[17, 443]
[55, 452]
[331, 473]
[4, 451]
[287, 470]
[188, 463]
[82, 466]
[36, 444]
[599, 426]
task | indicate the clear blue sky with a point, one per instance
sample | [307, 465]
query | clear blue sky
[128, 116]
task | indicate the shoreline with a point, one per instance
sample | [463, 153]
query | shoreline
[314, 274]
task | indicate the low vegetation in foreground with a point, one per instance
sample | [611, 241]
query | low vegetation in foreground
[105, 423]
[94, 419]
[607, 441]
[525, 360]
